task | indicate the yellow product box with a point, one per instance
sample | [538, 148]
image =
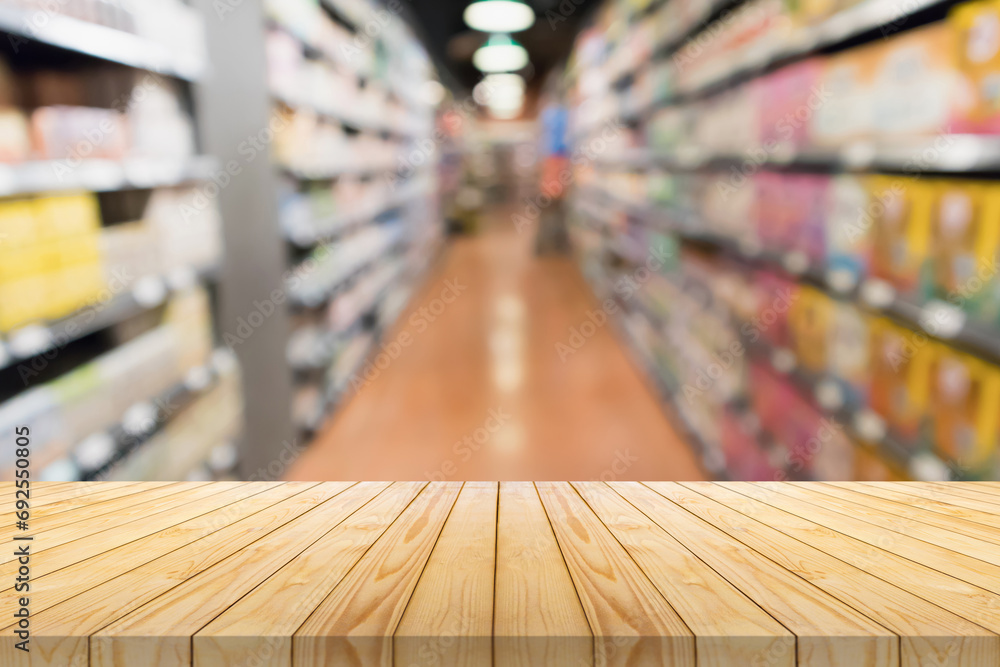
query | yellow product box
[67, 215]
[900, 375]
[75, 250]
[965, 393]
[18, 263]
[21, 302]
[188, 314]
[976, 30]
[73, 287]
[901, 211]
[915, 83]
[810, 319]
[869, 467]
[18, 224]
[965, 235]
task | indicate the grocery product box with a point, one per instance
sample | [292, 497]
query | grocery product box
[914, 83]
[964, 394]
[900, 377]
[849, 221]
[901, 229]
[976, 30]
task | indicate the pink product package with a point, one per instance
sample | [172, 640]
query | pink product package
[790, 212]
[745, 459]
[805, 196]
[774, 296]
[788, 98]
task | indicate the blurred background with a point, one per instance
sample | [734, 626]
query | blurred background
[553, 239]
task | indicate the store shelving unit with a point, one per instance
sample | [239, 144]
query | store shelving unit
[51, 349]
[612, 129]
[290, 362]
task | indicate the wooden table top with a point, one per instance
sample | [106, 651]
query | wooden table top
[414, 573]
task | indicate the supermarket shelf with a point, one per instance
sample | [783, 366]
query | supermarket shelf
[871, 17]
[343, 224]
[341, 117]
[935, 318]
[96, 41]
[874, 18]
[662, 386]
[327, 174]
[147, 293]
[98, 454]
[863, 425]
[943, 154]
[101, 175]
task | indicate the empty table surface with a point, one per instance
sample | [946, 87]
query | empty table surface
[415, 573]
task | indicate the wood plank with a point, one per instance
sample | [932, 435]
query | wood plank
[55, 537]
[159, 633]
[355, 623]
[729, 628]
[963, 491]
[79, 544]
[449, 617]
[63, 584]
[956, 525]
[71, 496]
[925, 628]
[962, 567]
[113, 511]
[872, 513]
[538, 618]
[60, 633]
[259, 627]
[878, 556]
[899, 496]
[828, 632]
[631, 622]
[95, 496]
[932, 493]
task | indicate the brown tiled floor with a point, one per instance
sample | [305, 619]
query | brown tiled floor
[480, 392]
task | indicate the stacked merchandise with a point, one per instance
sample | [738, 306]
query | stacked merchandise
[833, 310]
[107, 244]
[356, 145]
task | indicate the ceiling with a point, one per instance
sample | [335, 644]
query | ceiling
[451, 43]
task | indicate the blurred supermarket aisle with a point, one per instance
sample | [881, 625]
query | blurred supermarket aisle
[478, 390]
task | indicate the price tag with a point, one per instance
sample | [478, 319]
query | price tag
[30, 340]
[859, 155]
[197, 379]
[795, 262]
[149, 291]
[877, 293]
[783, 360]
[829, 395]
[140, 419]
[929, 468]
[870, 426]
[94, 452]
[841, 281]
[941, 319]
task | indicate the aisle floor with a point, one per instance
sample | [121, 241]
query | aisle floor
[477, 389]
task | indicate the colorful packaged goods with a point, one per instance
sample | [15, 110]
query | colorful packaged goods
[849, 223]
[900, 375]
[901, 229]
[976, 26]
[964, 394]
[810, 320]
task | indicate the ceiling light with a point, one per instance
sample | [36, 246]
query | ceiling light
[496, 88]
[499, 16]
[500, 53]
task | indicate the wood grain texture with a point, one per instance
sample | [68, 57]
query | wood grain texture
[828, 631]
[409, 574]
[631, 621]
[355, 623]
[729, 628]
[538, 618]
[449, 617]
[924, 628]
[259, 627]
